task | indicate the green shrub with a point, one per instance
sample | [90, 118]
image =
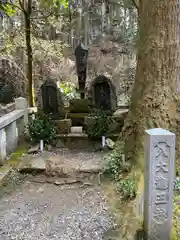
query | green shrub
[101, 124]
[127, 188]
[40, 128]
[177, 184]
[115, 163]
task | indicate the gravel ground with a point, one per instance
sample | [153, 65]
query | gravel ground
[44, 211]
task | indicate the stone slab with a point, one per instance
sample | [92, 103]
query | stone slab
[31, 164]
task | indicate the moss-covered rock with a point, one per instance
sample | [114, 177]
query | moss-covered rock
[77, 118]
[79, 106]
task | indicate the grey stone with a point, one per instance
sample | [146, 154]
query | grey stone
[32, 164]
[67, 181]
[159, 176]
[2, 146]
[60, 143]
[110, 144]
[62, 166]
[33, 149]
[77, 129]
[49, 147]
[90, 168]
[11, 137]
[120, 113]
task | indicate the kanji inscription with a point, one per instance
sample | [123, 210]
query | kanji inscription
[159, 176]
[161, 198]
[161, 183]
[160, 214]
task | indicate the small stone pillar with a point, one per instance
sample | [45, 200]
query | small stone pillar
[11, 137]
[21, 103]
[2, 146]
[158, 187]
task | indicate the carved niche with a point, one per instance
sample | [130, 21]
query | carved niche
[49, 99]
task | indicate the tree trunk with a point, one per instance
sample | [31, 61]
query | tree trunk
[79, 21]
[153, 97]
[103, 17]
[27, 18]
[86, 28]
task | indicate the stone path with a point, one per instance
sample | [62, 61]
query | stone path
[63, 161]
[47, 212]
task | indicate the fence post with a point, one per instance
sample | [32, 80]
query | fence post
[21, 103]
[2, 146]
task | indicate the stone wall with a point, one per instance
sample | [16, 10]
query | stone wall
[115, 63]
[113, 60]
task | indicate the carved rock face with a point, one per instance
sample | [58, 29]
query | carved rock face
[102, 94]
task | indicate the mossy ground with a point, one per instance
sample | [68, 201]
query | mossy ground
[176, 218]
[128, 224]
[11, 164]
[15, 156]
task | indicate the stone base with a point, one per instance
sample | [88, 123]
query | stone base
[77, 129]
[63, 126]
[73, 141]
[79, 141]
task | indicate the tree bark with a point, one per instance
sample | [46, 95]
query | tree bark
[27, 18]
[153, 97]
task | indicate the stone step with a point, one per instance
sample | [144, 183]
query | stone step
[77, 129]
[59, 166]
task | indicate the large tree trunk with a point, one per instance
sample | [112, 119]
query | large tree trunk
[27, 19]
[153, 97]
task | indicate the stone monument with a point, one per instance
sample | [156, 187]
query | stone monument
[158, 187]
[49, 99]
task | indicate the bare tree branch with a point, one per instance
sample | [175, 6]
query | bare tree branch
[21, 4]
[135, 4]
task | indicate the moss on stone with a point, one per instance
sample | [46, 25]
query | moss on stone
[7, 169]
[79, 106]
[77, 118]
[14, 158]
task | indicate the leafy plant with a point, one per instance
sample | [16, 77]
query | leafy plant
[68, 90]
[177, 184]
[7, 8]
[115, 163]
[101, 124]
[127, 188]
[40, 128]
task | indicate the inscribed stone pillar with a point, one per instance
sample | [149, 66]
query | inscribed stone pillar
[158, 187]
